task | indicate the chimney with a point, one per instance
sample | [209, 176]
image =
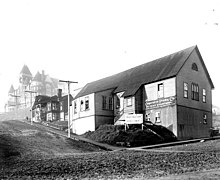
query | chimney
[59, 94]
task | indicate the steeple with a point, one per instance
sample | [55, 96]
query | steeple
[25, 75]
[12, 90]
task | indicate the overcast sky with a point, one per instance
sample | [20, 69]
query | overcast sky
[87, 40]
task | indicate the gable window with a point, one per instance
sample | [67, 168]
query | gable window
[129, 101]
[195, 92]
[185, 88]
[157, 117]
[160, 90]
[194, 67]
[87, 103]
[104, 102]
[204, 119]
[204, 95]
[81, 105]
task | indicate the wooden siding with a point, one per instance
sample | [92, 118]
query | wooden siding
[191, 76]
[169, 89]
[190, 123]
[168, 117]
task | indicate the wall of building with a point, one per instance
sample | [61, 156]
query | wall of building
[191, 112]
[162, 107]
[83, 124]
[83, 119]
[191, 123]
[99, 111]
[169, 89]
[190, 76]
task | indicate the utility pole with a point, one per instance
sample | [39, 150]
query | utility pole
[68, 83]
[31, 92]
[16, 103]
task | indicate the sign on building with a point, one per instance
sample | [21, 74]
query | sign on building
[159, 103]
[133, 118]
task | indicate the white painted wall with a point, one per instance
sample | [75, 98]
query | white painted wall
[169, 89]
[83, 120]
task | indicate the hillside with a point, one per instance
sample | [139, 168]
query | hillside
[19, 140]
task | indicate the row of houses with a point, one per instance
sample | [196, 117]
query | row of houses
[174, 91]
[30, 86]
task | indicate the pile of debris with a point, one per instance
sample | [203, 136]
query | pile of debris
[135, 135]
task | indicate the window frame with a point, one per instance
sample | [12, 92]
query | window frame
[185, 90]
[86, 103]
[110, 103]
[104, 102]
[160, 93]
[205, 118]
[195, 91]
[204, 95]
[129, 102]
[158, 117]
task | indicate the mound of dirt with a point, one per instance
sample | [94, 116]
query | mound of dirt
[134, 136]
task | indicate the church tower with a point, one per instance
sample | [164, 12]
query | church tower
[25, 78]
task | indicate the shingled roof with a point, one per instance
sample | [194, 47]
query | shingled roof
[131, 80]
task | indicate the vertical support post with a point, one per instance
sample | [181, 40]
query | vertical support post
[31, 110]
[68, 109]
[68, 83]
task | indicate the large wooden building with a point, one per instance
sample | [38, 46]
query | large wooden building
[174, 91]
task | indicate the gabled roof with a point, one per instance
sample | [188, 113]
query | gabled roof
[131, 80]
[37, 77]
[25, 71]
[11, 90]
[40, 99]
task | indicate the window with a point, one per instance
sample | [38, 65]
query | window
[204, 95]
[147, 116]
[87, 103]
[54, 116]
[54, 106]
[129, 101]
[157, 117]
[117, 102]
[194, 67]
[185, 88]
[75, 107]
[61, 106]
[195, 92]
[49, 107]
[81, 105]
[160, 90]
[110, 103]
[204, 119]
[104, 103]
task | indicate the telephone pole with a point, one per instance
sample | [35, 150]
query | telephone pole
[68, 83]
[31, 92]
[16, 103]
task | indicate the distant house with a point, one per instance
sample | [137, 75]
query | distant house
[54, 108]
[174, 91]
[40, 84]
[64, 107]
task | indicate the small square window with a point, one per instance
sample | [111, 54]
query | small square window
[129, 101]
[204, 119]
[157, 117]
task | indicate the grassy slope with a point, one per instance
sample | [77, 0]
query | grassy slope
[19, 140]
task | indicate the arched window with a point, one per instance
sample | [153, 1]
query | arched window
[194, 67]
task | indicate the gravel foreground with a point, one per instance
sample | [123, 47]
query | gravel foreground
[126, 164]
[27, 152]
